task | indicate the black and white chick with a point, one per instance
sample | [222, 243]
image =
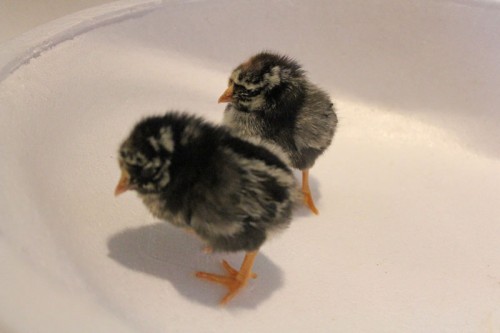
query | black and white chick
[231, 192]
[270, 97]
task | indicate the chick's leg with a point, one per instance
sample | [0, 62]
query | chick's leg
[307, 192]
[234, 280]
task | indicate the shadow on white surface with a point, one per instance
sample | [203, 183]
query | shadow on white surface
[162, 251]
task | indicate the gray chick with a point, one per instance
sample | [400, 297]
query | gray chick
[270, 98]
[231, 192]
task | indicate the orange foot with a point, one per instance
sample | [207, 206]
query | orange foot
[235, 280]
[308, 200]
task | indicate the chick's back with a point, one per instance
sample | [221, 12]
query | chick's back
[230, 191]
[315, 125]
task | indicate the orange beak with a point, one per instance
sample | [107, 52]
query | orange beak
[227, 96]
[123, 183]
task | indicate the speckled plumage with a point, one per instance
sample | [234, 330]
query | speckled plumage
[230, 191]
[272, 99]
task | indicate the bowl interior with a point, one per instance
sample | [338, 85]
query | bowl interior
[408, 232]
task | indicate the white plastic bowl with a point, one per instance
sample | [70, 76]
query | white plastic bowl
[409, 193]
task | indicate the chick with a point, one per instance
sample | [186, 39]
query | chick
[229, 191]
[271, 98]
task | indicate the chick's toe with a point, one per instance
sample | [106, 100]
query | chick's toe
[235, 280]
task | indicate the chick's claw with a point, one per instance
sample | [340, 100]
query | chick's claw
[235, 280]
[234, 283]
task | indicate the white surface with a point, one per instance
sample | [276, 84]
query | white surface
[19, 16]
[407, 239]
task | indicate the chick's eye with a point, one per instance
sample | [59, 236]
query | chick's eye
[238, 87]
[254, 92]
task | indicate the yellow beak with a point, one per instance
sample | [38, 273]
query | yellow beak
[123, 183]
[227, 96]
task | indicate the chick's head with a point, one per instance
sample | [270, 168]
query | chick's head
[145, 157]
[263, 82]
